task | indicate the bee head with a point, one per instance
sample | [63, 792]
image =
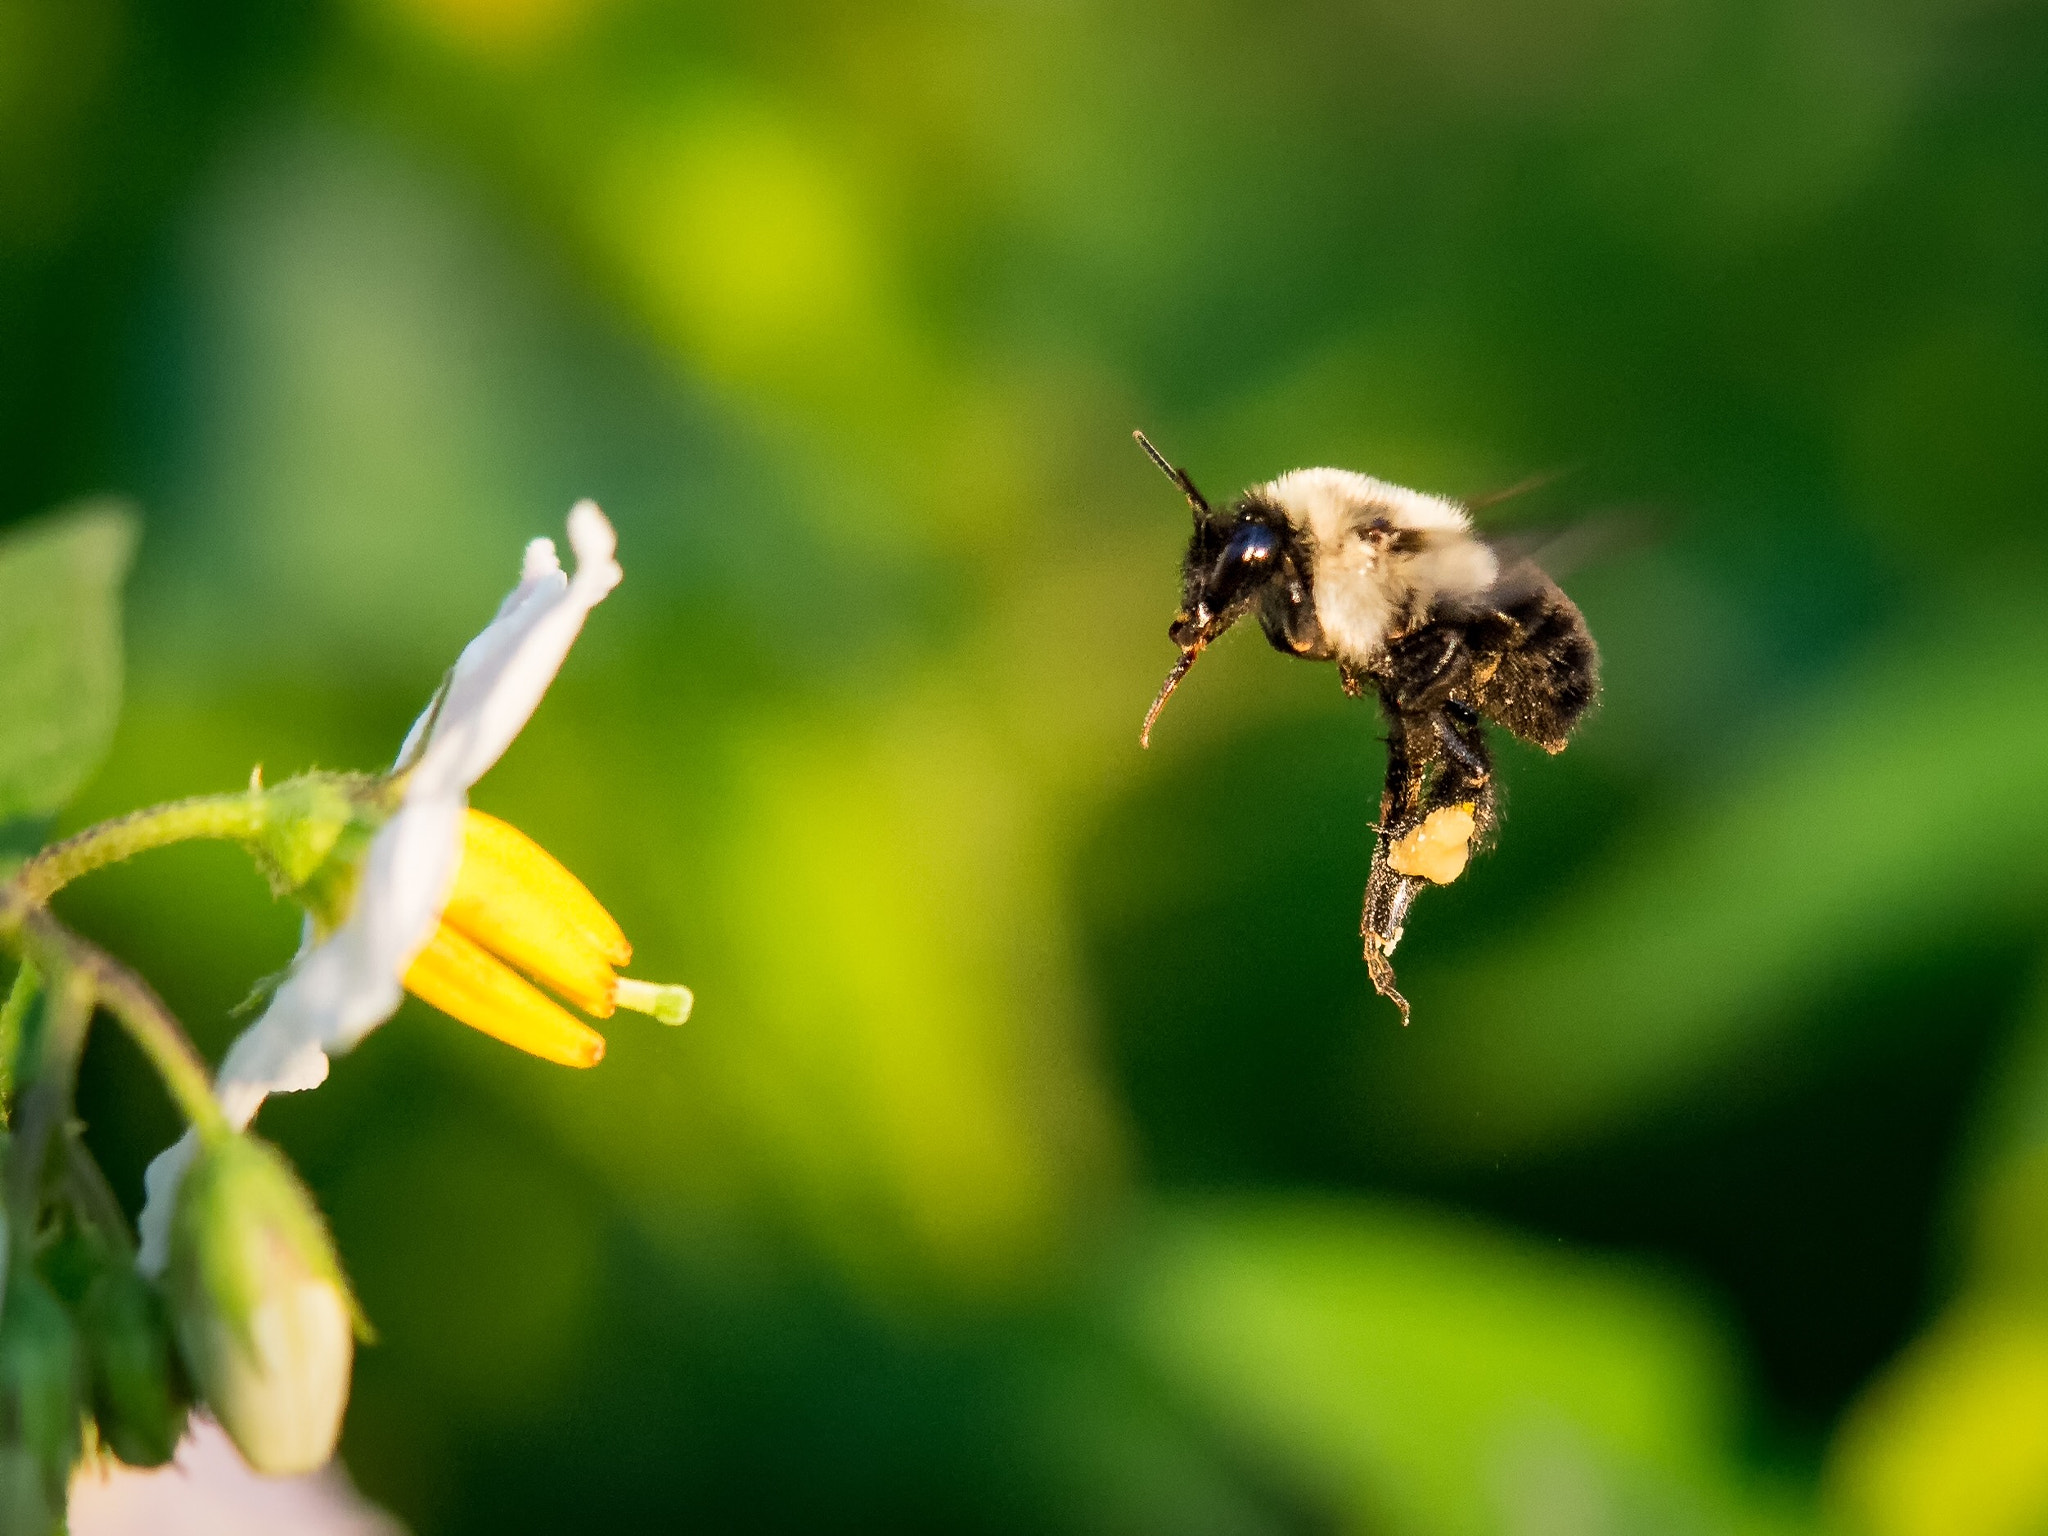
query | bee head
[1231, 557]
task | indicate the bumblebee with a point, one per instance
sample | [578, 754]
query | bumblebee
[1446, 630]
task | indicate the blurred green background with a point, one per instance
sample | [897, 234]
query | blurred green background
[1039, 1158]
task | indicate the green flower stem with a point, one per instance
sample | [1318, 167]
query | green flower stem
[28, 984]
[46, 1101]
[291, 830]
[28, 929]
[141, 1012]
[235, 818]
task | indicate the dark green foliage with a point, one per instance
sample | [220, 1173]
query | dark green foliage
[40, 1402]
[137, 1397]
[134, 1388]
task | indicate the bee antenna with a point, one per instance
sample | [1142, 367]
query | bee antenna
[1178, 476]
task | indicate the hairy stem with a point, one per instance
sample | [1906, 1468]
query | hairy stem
[28, 985]
[236, 818]
[142, 1013]
[46, 1098]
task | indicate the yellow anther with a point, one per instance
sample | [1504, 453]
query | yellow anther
[515, 908]
[466, 982]
[517, 901]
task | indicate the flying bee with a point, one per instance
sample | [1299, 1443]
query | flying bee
[1447, 631]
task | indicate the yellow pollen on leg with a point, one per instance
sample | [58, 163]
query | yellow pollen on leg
[513, 898]
[1439, 848]
[466, 982]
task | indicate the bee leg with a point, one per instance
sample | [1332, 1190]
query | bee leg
[1438, 766]
[1467, 776]
[1387, 896]
[1419, 671]
[1388, 893]
[1468, 753]
[1437, 762]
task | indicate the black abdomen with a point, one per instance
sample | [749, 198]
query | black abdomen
[1536, 670]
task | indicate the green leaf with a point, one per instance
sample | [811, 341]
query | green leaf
[60, 659]
[1431, 1376]
[1949, 1436]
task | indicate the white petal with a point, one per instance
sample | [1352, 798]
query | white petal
[504, 671]
[539, 562]
[160, 1181]
[540, 572]
[350, 984]
[208, 1490]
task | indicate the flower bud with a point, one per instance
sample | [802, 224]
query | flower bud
[39, 1403]
[263, 1316]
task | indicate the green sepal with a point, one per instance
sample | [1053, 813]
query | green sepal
[239, 1189]
[314, 821]
[15, 1020]
[316, 834]
[129, 1369]
[138, 1392]
[27, 1507]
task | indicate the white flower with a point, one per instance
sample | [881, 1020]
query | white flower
[345, 984]
[208, 1490]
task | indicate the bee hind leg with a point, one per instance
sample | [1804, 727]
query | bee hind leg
[1388, 893]
[1387, 896]
[1436, 809]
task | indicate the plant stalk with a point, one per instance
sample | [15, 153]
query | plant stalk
[142, 1013]
[28, 986]
[46, 1098]
[235, 818]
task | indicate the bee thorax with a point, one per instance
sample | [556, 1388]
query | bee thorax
[1384, 556]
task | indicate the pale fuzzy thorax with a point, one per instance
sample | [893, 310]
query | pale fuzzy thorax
[1362, 590]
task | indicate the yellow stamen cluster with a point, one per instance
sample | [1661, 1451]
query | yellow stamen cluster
[516, 909]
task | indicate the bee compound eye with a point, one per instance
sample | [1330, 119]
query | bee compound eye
[1252, 545]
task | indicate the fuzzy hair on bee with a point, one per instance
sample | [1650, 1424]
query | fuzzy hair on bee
[1447, 631]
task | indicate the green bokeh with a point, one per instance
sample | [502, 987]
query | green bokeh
[1038, 1157]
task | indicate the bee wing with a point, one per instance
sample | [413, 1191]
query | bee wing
[1535, 557]
[1556, 547]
